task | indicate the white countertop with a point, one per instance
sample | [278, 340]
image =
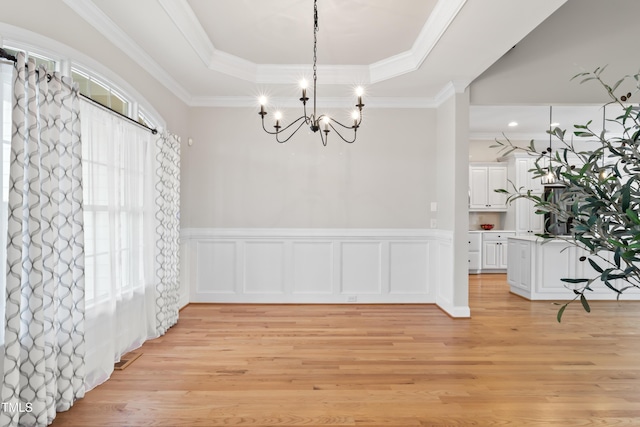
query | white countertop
[535, 239]
[492, 231]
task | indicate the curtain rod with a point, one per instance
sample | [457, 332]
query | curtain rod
[6, 55]
[111, 110]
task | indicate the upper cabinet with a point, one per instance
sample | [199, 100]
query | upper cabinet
[521, 215]
[524, 175]
[484, 179]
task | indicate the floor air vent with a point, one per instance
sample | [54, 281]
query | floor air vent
[126, 360]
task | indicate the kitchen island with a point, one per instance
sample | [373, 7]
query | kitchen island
[535, 270]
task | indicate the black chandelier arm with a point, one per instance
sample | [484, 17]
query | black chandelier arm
[289, 137]
[345, 126]
[304, 118]
[307, 119]
[277, 134]
[332, 120]
[355, 134]
[324, 138]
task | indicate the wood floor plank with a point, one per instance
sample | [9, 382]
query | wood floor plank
[511, 364]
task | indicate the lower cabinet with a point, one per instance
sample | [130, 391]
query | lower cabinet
[475, 249]
[488, 251]
[494, 250]
[536, 271]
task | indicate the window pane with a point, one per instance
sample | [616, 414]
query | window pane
[118, 104]
[83, 83]
[99, 93]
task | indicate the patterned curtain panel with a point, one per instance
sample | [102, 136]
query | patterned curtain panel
[44, 331]
[167, 232]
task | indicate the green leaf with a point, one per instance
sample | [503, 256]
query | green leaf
[595, 266]
[584, 134]
[633, 216]
[626, 197]
[585, 304]
[561, 312]
[575, 280]
[610, 286]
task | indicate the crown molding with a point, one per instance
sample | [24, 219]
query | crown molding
[450, 89]
[519, 136]
[442, 16]
[91, 13]
[188, 24]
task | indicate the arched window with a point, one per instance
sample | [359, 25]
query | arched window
[93, 86]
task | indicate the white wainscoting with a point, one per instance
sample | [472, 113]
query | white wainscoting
[316, 265]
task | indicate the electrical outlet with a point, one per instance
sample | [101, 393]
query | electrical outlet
[352, 298]
[434, 206]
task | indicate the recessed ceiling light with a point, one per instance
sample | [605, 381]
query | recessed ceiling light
[513, 124]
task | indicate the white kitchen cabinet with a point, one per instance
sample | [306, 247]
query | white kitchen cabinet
[484, 179]
[521, 214]
[524, 176]
[519, 269]
[494, 250]
[475, 247]
[527, 221]
[535, 271]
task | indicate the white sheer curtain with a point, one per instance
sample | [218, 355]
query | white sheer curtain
[119, 170]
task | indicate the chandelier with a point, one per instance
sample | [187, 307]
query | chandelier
[323, 122]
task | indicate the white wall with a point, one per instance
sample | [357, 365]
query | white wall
[481, 151]
[452, 158]
[236, 176]
[580, 36]
[70, 30]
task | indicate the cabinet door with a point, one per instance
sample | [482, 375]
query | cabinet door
[527, 221]
[536, 222]
[503, 254]
[474, 261]
[519, 270]
[523, 216]
[496, 178]
[490, 255]
[478, 177]
[524, 178]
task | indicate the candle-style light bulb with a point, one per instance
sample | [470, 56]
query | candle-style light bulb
[303, 85]
[326, 121]
[278, 117]
[355, 116]
[359, 93]
[263, 101]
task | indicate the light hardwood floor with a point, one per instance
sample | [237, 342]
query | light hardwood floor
[511, 364]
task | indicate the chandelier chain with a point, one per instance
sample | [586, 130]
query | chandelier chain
[315, 54]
